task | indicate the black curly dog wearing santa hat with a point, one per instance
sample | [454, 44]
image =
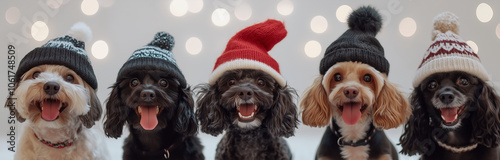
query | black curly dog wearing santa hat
[248, 98]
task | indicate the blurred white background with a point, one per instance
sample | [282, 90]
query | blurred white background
[202, 28]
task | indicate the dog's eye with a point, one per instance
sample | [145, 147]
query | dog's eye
[337, 77]
[36, 74]
[69, 78]
[231, 82]
[432, 85]
[462, 81]
[367, 78]
[134, 82]
[261, 82]
[163, 83]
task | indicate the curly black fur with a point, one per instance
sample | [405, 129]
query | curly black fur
[216, 111]
[365, 19]
[177, 125]
[480, 124]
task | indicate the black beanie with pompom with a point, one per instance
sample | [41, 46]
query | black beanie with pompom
[358, 43]
[157, 55]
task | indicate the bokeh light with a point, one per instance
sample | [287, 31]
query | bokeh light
[474, 46]
[319, 24]
[12, 15]
[285, 7]
[484, 12]
[100, 49]
[178, 8]
[194, 45]
[407, 27]
[220, 17]
[39, 30]
[343, 13]
[243, 11]
[312, 49]
[90, 7]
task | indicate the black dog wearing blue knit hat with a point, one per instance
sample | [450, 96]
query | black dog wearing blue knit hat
[151, 96]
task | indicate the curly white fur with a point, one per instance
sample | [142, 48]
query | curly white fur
[87, 143]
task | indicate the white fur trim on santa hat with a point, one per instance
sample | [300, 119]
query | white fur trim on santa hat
[448, 64]
[245, 64]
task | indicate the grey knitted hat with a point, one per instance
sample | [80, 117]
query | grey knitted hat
[155, 55]
[68, 50]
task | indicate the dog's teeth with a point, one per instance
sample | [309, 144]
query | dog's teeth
[41, 108]
[255, 107]
[157, 109]
[442, 116]
[139, 110]
[238, 108]
[239, 114]
[456, 116]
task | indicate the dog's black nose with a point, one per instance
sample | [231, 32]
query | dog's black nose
[148, 95]
[446, 97]
[246, 93]
[51, 88]
[351, 92]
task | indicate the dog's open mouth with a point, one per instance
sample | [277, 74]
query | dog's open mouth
[51, 108]
[246, 112]
[148, 116]
[351, 112]
[450, 114]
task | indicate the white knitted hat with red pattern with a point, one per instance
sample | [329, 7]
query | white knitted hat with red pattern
[449, 52]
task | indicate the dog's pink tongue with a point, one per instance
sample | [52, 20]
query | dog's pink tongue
[148, 118]
[247, 109]
[50, 109]
[351, 113]
[449, 114]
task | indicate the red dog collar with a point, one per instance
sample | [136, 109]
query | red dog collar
[66, 143]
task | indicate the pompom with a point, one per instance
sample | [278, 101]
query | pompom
[365, 19]
[163, 40]
[444, 22]
[81, 31]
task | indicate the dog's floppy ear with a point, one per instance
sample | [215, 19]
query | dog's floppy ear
[95, 111]
[390, 108]
[485, 122]
[186, 123]
[11, 103]
[116, 113]
[212, 117]
[315, 106]
[283, 115]
[416, 137]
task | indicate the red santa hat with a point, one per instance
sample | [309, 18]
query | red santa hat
[249, 48]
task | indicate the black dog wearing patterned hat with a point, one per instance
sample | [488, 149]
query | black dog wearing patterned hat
[455, 108]
[56, 94]
[151, 95]
[353, 95]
